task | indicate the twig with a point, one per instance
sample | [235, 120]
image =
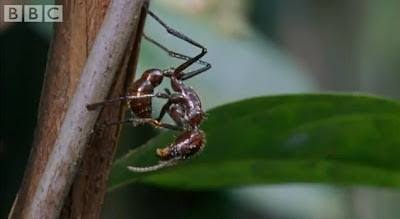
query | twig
[97, 76]
[86, 198]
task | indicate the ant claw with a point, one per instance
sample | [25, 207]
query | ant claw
[91, 107]
[99, 129]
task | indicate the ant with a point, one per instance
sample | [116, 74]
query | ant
[183, 106]
[141, 91]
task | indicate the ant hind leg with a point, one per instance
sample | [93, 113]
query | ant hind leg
[180, 35]
[176, 33]
[182, 75]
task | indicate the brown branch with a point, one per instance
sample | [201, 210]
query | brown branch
[87, 193]
[51, 169]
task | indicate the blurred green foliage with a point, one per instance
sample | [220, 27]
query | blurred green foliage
[295, 138]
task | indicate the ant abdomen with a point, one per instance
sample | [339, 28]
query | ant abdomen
[185, 146]
[154, 76]
[144, 86]
[140, 107]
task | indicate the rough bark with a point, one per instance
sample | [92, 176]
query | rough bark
[64, 125]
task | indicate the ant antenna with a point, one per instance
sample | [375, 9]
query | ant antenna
[160, 165]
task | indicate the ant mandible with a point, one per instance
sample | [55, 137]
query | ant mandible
[183, 106]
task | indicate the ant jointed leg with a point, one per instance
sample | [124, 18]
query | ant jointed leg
[94, 106]
[173, 54]
[178, 73]
[137, 121]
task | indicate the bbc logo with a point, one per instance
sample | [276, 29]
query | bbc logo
[33, 13]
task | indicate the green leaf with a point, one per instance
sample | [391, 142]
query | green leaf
[342, 139]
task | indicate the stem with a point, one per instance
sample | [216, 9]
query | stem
[46, 196]
[86, 197]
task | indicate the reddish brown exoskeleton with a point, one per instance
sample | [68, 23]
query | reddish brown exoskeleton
[183, 105]
[185, 146]
[141, 91]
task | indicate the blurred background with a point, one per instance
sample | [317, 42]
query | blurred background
[256, 47]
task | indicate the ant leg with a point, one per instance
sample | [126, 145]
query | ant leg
[164, 110]
[158, 124]
[175, 111]
[174, 32]
[180, 35]
[172, 98]
[137, 121]
[167, 91]
[179, 70]
[94, 106]
[183, 76]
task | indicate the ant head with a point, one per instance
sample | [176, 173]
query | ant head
[164, 153]
[185, 146]
[155, 76]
